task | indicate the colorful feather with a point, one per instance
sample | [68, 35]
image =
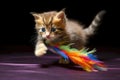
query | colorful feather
[83, 57]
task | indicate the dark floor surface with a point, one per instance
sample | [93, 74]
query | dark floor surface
[23, 65]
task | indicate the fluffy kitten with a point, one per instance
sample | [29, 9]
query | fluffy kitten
[55, 28]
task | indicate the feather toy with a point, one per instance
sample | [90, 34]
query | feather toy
[83, 57]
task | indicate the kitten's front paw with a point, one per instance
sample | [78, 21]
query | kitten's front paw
[40, 51]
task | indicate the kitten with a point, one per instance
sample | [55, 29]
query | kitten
[54, 27]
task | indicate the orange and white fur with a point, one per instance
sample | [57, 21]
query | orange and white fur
[56, 28]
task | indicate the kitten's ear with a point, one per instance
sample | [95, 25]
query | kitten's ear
[36, 15]
[38, 18]
[60, 16]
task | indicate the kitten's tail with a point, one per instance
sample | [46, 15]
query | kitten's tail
[95, 23]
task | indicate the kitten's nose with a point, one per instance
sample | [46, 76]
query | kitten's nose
[48, 36]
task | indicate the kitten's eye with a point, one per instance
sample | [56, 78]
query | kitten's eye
[53, 29]
[43, 29]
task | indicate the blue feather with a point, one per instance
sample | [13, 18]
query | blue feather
[61, 53]
[92, 57]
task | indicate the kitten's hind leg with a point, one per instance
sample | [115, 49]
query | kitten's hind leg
[63, 61]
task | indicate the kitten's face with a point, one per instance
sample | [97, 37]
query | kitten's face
[50, 25]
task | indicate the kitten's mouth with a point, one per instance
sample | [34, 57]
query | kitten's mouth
[48, 37]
